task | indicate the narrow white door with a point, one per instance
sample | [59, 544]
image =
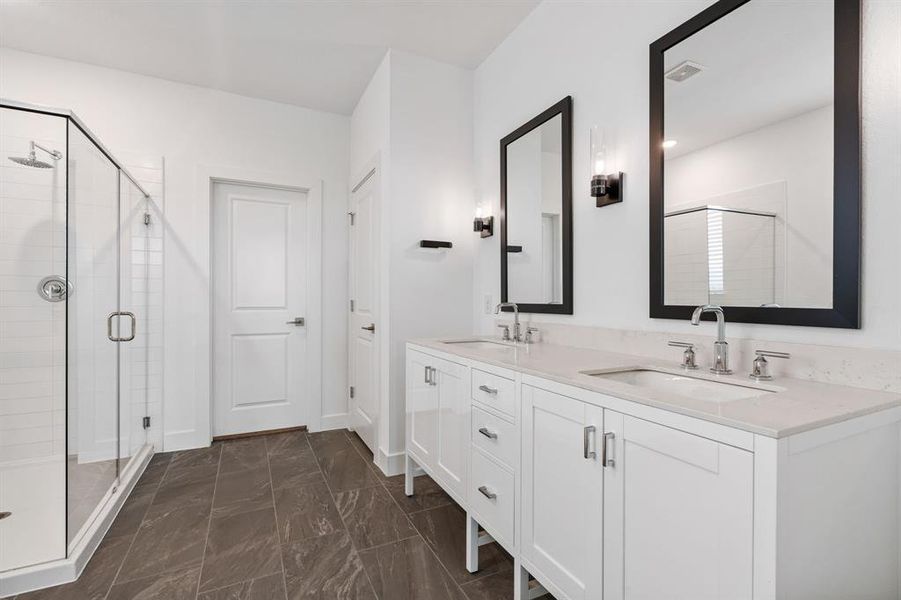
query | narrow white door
[363, 407]
[678, 515]
[562, 493]
[259, 292]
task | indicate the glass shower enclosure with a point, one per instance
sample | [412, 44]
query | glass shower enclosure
[73, 339]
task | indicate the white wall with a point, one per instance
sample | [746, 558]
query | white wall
[557, 51]
[426, 164]
[431, 198]
[193, 127]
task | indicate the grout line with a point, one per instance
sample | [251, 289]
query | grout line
[138, 530]
[350, 538]
[409, 520]
[206, 538]
[415, 528]
[278, 533]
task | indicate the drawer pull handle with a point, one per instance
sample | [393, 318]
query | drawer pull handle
[488, 434]
[488, 390]
[488, 494]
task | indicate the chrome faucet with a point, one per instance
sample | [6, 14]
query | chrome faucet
[517, 334]
[720, 347]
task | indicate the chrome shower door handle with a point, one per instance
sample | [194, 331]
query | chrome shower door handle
[109, 326]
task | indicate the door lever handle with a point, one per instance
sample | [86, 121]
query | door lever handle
[370, 328]
[299, 321]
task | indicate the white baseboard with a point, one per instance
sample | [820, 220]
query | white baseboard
[329, 422]
[186, 439]
[66, 570]
[390, 464]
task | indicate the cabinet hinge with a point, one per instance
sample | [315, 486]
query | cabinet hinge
[351, 391]
[146, 422]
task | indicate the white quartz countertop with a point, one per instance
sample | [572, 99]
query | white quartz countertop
[784, 406]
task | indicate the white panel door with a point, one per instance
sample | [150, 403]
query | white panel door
[453, 404]
[259, 290]
[363, 352]
[562, 492]
[678, 515]
[422, 409]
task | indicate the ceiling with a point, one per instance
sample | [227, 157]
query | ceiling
[309, 53]
[763, 63]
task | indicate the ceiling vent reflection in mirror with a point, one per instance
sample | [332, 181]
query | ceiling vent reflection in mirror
[684, 70]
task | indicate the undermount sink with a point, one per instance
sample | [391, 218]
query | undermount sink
[690, 387]
[481, 344]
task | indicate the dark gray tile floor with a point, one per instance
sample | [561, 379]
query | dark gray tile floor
[288, 516]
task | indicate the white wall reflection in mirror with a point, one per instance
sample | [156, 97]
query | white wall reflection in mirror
[748, 168]
[534, 215]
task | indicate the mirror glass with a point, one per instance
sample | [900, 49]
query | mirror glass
[534, 215]
[748, 159]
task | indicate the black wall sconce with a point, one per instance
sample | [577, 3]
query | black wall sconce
[484, 226]
[606, 187]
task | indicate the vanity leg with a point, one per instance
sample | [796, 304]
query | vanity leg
[520, 582]
[408, 475]
[472, 544]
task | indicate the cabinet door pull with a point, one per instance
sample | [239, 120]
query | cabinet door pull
[607, 458]
[586, 442]
[427, 373]
[484, 491]
[432, 379]
[488, 390]
[488, 434]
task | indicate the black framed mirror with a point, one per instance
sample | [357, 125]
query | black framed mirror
[536, 213]
[755, 164]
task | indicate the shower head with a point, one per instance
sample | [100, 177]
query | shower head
[32, 160]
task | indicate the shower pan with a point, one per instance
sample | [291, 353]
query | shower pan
[73, 343]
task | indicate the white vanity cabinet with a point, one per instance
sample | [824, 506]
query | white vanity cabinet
[602, 498]
[678, 514]
[437, 428]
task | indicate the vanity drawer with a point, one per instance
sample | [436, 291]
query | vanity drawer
[494, 390]
[497, 437]
[491, 496]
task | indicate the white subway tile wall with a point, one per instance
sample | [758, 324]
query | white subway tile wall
[32, 343]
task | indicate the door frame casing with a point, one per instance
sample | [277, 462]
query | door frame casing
[287, 180]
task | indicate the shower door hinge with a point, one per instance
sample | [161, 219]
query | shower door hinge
[351, 391]
[352, 306]
[147, 219]
[146, 422]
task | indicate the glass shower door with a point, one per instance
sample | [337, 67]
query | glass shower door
[93, 373]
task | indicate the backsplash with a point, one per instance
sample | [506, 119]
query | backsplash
[864, 368]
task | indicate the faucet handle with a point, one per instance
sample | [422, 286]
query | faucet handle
[689, 361]
[529, 332]
[506, 334]
[760, 368]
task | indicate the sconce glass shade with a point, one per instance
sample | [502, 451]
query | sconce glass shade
[605, 182]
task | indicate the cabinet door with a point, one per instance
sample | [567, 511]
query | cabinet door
[562, 492]
[453, 405]
[678, 514]
[422, 409]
